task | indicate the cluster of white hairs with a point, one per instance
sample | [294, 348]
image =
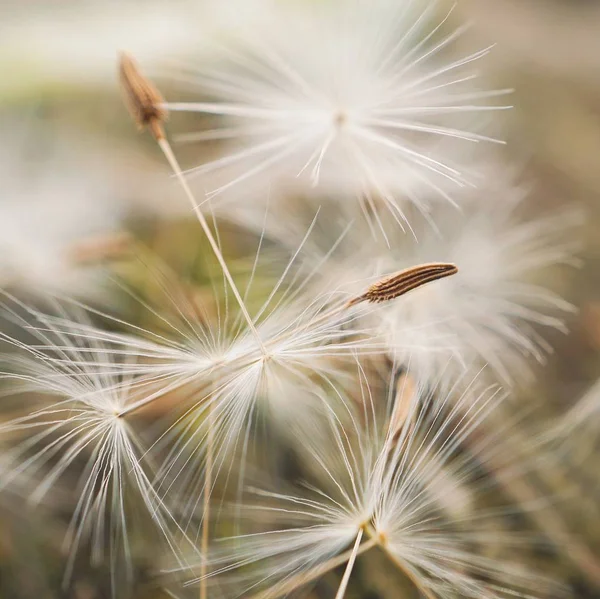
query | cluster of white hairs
[353, 141]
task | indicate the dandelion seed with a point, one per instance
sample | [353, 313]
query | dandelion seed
[401, 283]
[354, 98]
[372, 485]
[142, 97]
[493, 310]
[73, 421]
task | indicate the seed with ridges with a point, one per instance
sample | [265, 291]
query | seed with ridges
[404, 281]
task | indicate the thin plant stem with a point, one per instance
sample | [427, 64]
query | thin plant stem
[144, 102]
[206, 506]
[165, 146]
[303, 578]
[349, 566]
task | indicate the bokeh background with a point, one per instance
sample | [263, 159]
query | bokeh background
[74, 173]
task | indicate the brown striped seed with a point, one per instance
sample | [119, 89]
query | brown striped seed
[404, 281]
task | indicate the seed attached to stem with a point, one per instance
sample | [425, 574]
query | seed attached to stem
[142, 98]
[146, 106]
[404, 281]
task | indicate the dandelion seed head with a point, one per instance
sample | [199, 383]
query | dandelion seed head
[359, 478]
[76, 396]
[356, 99]
[497, 306]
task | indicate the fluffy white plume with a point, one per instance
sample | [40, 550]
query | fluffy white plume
[369, 484]
[72, 433]
[361, 100]
[492, 311]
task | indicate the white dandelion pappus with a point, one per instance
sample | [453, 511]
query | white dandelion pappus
[220, 378]
[374, 488]
[217, 371]
[494, 307]
[353, 98]
[72, 436]
[493, 311]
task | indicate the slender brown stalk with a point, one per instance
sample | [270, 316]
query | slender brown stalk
[144, 102]
[403, 403]
[416, 582]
